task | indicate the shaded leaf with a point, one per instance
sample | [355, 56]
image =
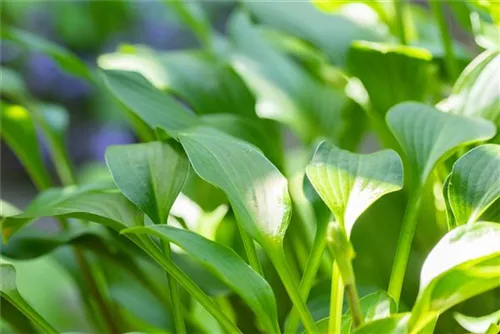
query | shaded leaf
[153, 106]
[477, 324]
[349, 183]
[13, 87]
[427, 135]
[474, 183]
[19, 133]
[227, 265]
[464, 263]
[256, 189]
[383, 69]
[150, 175]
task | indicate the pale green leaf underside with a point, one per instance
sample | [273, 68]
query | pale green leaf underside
[153, 106]
[349, 183]
[377, 305]
[477, 324]
[426, 135]
[257, 191]
[98, 204]
[151, 175]
[226, 264]
[465, 263]
[396, 323]
[474, 183]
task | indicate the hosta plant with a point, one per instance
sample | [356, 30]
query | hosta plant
[321, 167]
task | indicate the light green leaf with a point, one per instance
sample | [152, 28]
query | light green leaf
[285, 91]
[257, 191]
[226, 264]
[474, 183]
[464, 263]
[19, 133]
[349, 183]
[13, 86]
[427, 135]
[377, 305]
[220, 91]
[65, 59]
[153, 106]
[150, 175]
[477, 324]
[477, 90]
[331, 33]
[383, 69]
[91, 203]
[9, 292]
[396, 323]
[7, 209]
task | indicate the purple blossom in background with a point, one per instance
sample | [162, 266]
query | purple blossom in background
[41, 74]
[107, 135]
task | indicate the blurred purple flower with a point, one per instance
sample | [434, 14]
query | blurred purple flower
[41, 73]
[105, 136]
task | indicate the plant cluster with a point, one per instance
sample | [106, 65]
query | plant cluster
[250, 203]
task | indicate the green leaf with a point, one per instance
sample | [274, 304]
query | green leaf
[396, 323]
[285, 91]
[477, 324]
[474, 183]
[220, 91]
[383, 69]
[9, 292]
[477, 90]
[150, 175]
[13, 87]
[91, 203]
[227, 265]
[17, 120]
[427, 135]
[332, 34]
[377, 305]
[349, 183]
[153, 106]
[65, 59]
[464, 263]
[257, 191]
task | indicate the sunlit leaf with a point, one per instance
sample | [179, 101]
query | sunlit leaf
[331, 33]
[464, 263]
[397, 323]
[477, 324]
[153, 106]
[427, 135]
[383, 69]
[91, 203]
[64, 58]
[9, 292]
[349, 183]
[227, 265]
[150, 175]
[19, 133]
[256, 189]
[477, 90]
[474, 183]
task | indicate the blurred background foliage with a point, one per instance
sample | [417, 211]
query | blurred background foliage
[305, 51]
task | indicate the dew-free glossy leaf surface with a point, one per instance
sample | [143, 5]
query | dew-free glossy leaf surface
[150, 104]
[92, 203]
[474, 183]
[397, 323]
[427, 135]
[383, 69]
[151, 175]
[349, 183]
[18, 131]
[227, 265]
[477, 324]
[464, 263]
[257, 191]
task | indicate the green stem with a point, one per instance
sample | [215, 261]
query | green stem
[399, 6]
[336, 301]
[187, 283]
[408, 228]
[277, 256]
[313, 263]
[198, 25]
[450, 60]
[250, 250]
[175, 295]
[354, 306]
